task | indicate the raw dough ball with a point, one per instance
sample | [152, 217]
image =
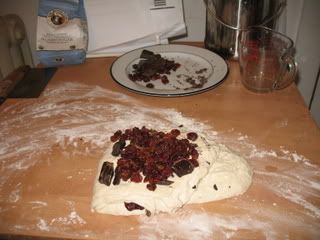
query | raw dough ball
[229, 175]
[221, 174]
[110, 200]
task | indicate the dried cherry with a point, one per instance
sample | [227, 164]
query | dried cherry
[115, 137]
[192, 136]
[133, 206]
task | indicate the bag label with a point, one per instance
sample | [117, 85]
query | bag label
[66, 36]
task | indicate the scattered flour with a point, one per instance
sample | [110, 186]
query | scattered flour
[21, 227]
[73, 114]
[199, 226]
[15, 194]
[242, 137]
[72, 218]
[43, 226]
[38, 204]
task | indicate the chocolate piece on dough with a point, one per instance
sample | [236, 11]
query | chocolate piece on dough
[182, 167]
[165, 182]
[117, 147]
[106, 173]
[117, 176]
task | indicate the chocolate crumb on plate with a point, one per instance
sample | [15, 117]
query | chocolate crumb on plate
[152, 67]
[150, 85]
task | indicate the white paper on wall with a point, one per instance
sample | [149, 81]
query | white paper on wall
[118, 26]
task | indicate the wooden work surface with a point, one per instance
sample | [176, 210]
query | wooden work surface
[50, 148]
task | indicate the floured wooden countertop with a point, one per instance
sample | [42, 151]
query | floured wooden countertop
[50, 148]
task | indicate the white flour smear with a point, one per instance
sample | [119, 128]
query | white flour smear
[72, 218]
[70, 111]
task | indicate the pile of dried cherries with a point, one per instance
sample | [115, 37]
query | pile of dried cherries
[150, 156]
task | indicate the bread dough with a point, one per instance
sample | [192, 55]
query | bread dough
[221, 174]
[229, 175]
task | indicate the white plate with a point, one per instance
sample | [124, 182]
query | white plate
[198, 64]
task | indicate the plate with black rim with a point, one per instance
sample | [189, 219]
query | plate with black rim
[199, 70]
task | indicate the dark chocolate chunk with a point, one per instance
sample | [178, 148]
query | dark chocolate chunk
[150, 85]
[182, 167]
[106, 173]
[150, 67]
[165, 182]
[202, 70]
[133, 206]
[149, 55]
[140, 64]
[215, 187]
[117, 176]
[148, 213]
[117, 147]
[194, 187]
[149, 72]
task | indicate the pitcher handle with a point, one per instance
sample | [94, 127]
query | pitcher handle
[289, 74]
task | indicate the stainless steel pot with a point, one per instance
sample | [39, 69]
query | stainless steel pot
[226, 18]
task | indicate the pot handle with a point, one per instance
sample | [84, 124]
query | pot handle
[280, 9]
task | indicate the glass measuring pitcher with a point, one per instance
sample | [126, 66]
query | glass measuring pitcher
[266, 59]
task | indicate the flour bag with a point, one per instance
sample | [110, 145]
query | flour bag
[62, 33]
